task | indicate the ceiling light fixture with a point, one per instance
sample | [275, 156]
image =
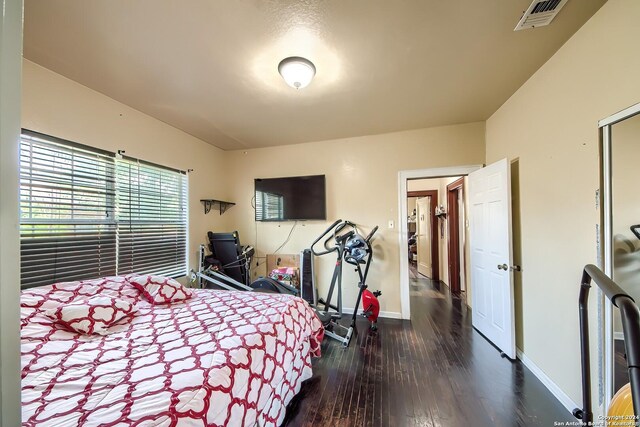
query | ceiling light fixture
[296, 71]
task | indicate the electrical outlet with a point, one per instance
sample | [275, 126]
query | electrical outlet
[391, 224]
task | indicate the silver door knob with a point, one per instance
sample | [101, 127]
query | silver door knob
[504, 267]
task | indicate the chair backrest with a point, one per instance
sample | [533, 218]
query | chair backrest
[225, 247]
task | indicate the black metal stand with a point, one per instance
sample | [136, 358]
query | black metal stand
[630, 327]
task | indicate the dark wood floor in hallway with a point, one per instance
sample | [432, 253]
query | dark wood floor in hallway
[433, 371]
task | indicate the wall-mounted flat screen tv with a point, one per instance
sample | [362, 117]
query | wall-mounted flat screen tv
[291, 199]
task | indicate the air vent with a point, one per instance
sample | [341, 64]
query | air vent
[539, 14]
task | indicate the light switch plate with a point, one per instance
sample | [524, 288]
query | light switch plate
[390, 223]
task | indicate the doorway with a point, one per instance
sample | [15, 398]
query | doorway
[436, 236]
[422, 233]
[490, 293]
[424, 238]
[456, 224]
[440, 179]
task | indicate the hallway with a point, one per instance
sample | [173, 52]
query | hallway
[433, 371]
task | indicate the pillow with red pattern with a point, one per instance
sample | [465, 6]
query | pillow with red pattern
[160, 290]
[94, 315]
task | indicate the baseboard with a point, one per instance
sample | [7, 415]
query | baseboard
[391, 315]
[566, 401]
[618, 336]
[384, 314]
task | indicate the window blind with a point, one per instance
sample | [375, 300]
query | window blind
[85, 214]
[152, 219]
[67, 224]
[269, 206]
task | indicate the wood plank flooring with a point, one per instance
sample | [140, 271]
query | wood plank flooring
[433, 371]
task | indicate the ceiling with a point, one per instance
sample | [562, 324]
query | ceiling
[209, 67]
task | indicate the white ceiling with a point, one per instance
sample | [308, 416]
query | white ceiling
[209, 67]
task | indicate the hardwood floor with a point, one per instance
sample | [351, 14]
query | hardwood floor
[433, 371]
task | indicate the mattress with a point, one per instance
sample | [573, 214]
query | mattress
[221, 358]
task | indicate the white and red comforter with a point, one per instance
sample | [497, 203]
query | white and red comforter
[220, 358]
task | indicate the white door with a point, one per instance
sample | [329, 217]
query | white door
[423, 230]
[491, 255]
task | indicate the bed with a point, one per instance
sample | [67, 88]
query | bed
[220, 358]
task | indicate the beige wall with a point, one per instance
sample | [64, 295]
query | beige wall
[362, 185]
[55, 105]
[551, 125]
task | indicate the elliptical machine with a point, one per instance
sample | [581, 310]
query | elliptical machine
[355, 250]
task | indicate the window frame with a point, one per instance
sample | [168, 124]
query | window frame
[264, 203]
[110, 202]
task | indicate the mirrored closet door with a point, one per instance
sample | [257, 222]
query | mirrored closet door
[621, 229]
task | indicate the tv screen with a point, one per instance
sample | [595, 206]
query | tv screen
[288, 199]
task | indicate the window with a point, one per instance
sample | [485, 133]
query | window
[269, 206]
[67, 224]
[86, 214]
[152, 219]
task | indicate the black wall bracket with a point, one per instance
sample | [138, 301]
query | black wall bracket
[213, 203]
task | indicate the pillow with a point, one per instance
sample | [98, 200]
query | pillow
[160, 290]
[93, 315]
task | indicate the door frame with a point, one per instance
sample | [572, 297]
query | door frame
[10, 100]
[435, 258]
[453, 235]
[605, 250]
[403, 176]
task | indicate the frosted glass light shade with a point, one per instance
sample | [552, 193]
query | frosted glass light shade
[297, 72]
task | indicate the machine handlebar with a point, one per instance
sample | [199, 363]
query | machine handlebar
[343, 225]
[327, 250]
[337, 226]
[370, 235]
[343, 237]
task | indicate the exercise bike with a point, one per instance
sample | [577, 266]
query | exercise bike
[356, 250]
